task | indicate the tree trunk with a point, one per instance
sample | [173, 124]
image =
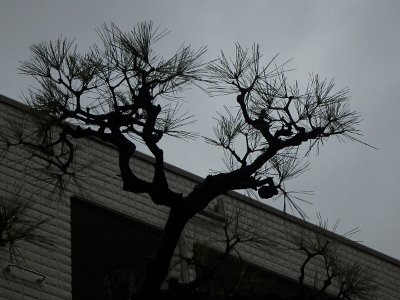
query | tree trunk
[158, 271]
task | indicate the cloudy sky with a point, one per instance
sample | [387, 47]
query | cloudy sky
[356, 42]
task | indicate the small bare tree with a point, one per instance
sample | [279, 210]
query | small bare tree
[237, 231]
[347, 280]
[122, 92]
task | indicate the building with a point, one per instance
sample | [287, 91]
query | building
[100, 232]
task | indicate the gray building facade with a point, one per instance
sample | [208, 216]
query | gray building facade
[95, 227]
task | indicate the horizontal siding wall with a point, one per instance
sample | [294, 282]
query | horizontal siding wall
[52, 261]
[99, 182]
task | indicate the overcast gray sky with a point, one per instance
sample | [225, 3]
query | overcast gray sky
[357, 42]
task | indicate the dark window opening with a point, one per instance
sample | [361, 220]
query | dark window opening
[109, 252]
[237, 277]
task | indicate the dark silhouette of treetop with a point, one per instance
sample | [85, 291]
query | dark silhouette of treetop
[123, 92]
